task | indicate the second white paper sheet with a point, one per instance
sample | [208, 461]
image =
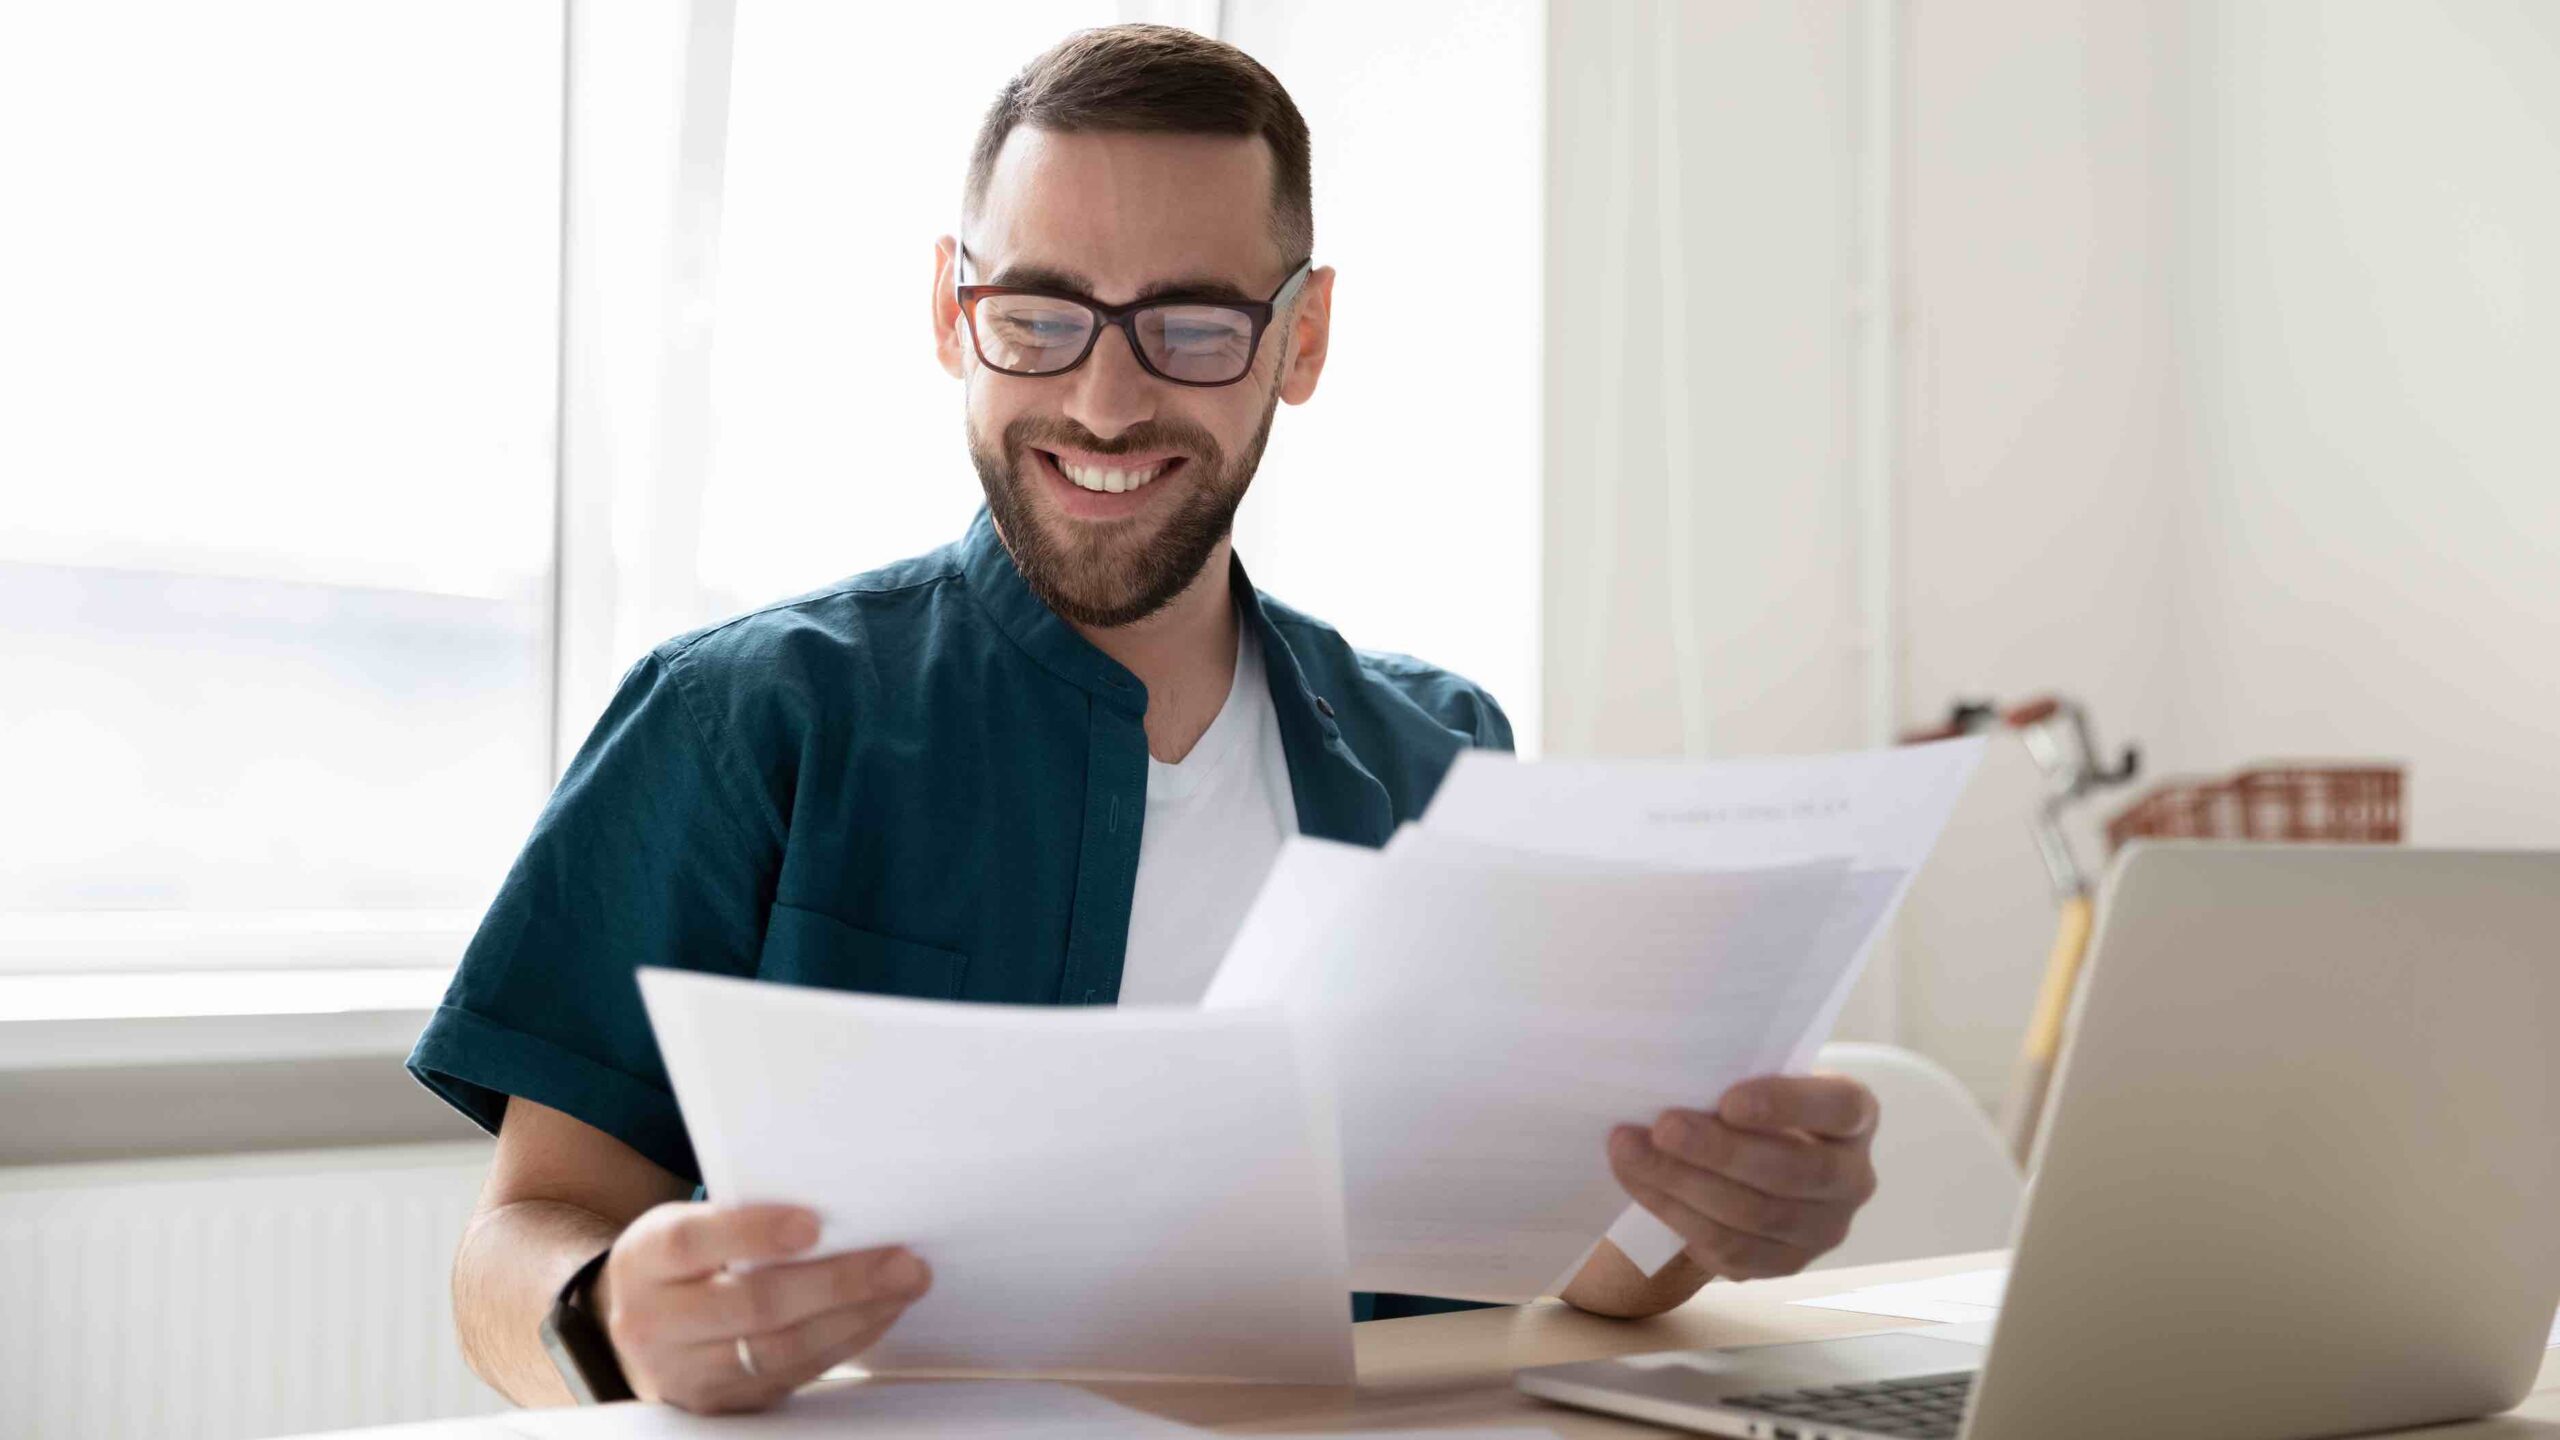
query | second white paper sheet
[1481, 1026]
[1141, 1193]
[1884, 808]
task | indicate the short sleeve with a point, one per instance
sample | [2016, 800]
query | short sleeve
[1492, 728]
[652, 851]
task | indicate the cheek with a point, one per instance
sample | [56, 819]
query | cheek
[990, 409]
[1231, 418]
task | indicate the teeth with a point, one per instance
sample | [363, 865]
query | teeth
[1088, 477]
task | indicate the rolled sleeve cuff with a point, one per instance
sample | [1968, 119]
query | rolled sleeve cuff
[475, 1063]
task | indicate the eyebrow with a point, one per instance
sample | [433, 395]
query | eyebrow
[1189, 287]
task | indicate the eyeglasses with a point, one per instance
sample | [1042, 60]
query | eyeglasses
[1035, 331]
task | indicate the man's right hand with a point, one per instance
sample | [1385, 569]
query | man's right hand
[675, 1313]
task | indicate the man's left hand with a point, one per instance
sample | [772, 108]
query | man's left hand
[1763, 1184]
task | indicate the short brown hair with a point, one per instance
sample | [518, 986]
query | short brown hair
[1157, 78]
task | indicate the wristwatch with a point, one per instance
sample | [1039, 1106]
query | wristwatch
[580, 1349]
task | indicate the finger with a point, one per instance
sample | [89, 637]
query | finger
[733, 1303]
[792, 1357]
[1790, 1166]
[1814, 1225]
[1832, 1106]
[1720, 1248]
[694, 1240]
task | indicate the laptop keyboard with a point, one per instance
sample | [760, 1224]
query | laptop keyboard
[1923, 1407]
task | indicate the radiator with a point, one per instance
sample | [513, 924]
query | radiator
[236, 1296]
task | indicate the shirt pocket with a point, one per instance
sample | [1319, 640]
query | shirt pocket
[805, 947]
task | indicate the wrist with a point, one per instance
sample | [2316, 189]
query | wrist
[1609, 1284]
[600, 1294]
[575, 1335]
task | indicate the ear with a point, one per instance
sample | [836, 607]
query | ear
[1311, 329]
[950, 345]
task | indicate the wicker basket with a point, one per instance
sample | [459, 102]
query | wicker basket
[2345, 802]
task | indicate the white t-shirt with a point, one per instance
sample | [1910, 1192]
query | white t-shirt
[1214, 823]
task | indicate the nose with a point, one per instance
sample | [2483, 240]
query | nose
[1110, 390]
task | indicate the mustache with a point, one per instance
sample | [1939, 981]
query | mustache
[1052, 431]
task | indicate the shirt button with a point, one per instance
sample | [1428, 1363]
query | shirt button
[1092, 995]
[1324, 707]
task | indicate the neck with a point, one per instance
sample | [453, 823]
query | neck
[1185, 654]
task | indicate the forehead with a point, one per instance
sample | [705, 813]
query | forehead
[1123, 209]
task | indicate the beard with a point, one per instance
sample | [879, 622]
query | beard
[1113, 573]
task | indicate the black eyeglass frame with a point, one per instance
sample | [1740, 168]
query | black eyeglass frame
[1124, 318]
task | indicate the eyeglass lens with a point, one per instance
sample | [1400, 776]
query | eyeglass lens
[1039, 335]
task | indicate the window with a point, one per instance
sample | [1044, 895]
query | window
[276, 473]
[302, 611]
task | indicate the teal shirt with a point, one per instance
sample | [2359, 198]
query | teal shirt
[919, 781]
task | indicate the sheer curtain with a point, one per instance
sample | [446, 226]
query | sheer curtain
[275, 499]
[837, 437]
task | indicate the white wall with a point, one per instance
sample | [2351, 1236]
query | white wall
[1759, 130]
[2041, 447]
[2372, 321]
[2232, 379]
[1401, 503]
[2228, 365]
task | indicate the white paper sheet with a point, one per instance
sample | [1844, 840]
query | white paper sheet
[1483, 1025]
[1884, 808]
[1903, 1307]
[1964, 1297]
[1815, 992]
[1984, 1288]
[1968, 1296]
[1100, 1192]
[957, 1409]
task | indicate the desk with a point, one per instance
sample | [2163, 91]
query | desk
[1438, 1371]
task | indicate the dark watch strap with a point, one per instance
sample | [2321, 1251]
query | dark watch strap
[580, 1349]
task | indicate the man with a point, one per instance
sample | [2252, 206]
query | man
[1046, 764]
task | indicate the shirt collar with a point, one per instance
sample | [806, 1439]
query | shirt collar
[1337, 796]
[1007, 599]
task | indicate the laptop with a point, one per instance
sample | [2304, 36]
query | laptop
[2298, 1177]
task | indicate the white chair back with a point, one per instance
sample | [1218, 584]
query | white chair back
[1944, 1182]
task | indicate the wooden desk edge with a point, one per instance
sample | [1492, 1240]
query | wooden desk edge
[1437, 1372]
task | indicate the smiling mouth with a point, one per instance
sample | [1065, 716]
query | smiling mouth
[1110, 480]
